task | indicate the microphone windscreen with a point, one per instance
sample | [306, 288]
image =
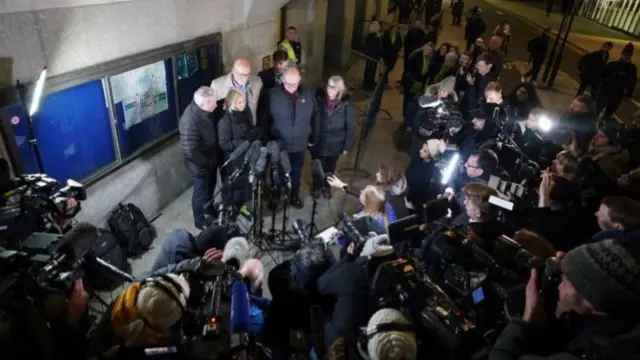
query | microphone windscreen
[285, 162]
[240, 315]
[241, 149]
[317, 172]
[236, 252]
[261, 164]
[274, 151]
[253, 151]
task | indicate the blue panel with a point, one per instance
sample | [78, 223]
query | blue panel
[149, 128]
[73, 132]
[191, 79]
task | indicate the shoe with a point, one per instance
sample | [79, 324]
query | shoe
[326, 193]
[297, 203]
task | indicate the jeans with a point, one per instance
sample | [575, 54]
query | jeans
[203, 188]
[297, 163]
[328, 166]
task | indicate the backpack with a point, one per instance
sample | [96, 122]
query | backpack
[108, 249]
[132, 229]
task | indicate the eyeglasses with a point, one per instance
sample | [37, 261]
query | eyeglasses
[292, 85]
[236, 72]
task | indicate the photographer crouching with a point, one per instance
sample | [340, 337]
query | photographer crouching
[597, 312]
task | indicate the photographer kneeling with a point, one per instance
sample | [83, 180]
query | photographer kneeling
[597, 310]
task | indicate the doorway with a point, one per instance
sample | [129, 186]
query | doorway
[334, 37]
[357, 41]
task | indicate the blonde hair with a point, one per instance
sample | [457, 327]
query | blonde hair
[158, 309]
[478, 194]
[232, 97]
[373, 193]
[337, 82]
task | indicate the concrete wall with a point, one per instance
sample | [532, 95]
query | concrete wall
[68, 35]
[309, 17]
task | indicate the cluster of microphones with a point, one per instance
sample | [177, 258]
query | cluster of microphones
[255, 157]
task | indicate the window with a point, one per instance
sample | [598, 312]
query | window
[73, 133]
[196, 69]
[83, 130]
[144, 103]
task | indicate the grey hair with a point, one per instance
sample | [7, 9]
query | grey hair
[204, 95]
[451, 56]
[337, 82]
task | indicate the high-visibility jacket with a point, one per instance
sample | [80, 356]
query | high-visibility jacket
[286, 46]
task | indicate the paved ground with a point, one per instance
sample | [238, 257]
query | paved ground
[527, 20]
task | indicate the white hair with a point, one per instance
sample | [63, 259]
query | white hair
[337, 82]
[159, 309]
[204, 95]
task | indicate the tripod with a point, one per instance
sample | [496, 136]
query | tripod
[313, 229]
[259, 240]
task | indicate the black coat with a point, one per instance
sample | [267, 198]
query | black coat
[538, 47]
[234, 128]
[337, 127]
[475, 94]
[390, 49]
[413, 40]
[563, 227]
[618, 80]
[295, 123]
[475, 28]
[269, 78]
[373, 46]
[419, 176]
[348, 282]
[590, 66]
[198, 140]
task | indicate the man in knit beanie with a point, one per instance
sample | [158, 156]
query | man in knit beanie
[390, 344]
[598, 305]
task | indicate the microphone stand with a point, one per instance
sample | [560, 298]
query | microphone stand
[287, 195]
[313, 229]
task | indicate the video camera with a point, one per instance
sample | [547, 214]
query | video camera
[401, 284]
[438, 115]
[35, 203]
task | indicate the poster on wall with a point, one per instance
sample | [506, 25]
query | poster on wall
[142, 92]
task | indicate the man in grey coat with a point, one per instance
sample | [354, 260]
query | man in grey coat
[241, 79]
[295, 124]
[199, 146]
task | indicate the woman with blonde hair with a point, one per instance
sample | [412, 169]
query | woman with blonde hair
[373, 200]
[235, 127]
[337, 120]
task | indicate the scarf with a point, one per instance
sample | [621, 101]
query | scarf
[332, 104]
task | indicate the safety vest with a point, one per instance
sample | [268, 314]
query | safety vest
[286, 46]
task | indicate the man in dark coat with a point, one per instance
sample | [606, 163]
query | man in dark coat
[475, 27]
[271, 78]
[391, 45]
[199, 145]
[295, 124]
[597, 311]
[181, 245]
[456, 11]
[618, 82]
[537, 48]
[415, 38]
[590, 67]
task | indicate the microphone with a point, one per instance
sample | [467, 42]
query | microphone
[235, 253]
[251, 156]
[274, 160]
[238, 152]
[240, 323]
[286, 167]
[260, 166]
[94, 262]
[317, 172]
[301, 228]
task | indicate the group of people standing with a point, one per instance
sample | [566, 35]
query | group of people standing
[272, 105]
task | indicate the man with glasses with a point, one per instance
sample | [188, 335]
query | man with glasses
[241, 79]
[295, 124]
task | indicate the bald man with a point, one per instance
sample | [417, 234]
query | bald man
[295, 123]
[241, 79]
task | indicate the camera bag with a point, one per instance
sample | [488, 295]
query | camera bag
[132, 229]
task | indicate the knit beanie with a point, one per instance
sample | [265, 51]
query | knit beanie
[606, 274]
[448, 83]
[390, 345]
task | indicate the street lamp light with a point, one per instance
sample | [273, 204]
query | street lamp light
[37, 93]
[36, 99]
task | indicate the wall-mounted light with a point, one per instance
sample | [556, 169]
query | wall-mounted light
[36, 98]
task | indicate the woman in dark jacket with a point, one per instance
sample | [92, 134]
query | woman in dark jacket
[522, 99]
[337, 128]
[391, 45]
[235, 127]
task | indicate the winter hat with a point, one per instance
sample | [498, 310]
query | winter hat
[391, 344]
[448, 84]
[628, 49]
[377, 246]
[607, 274]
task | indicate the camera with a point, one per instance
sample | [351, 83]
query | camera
[401, 284]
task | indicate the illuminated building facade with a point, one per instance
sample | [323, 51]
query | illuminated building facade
[618, 14]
